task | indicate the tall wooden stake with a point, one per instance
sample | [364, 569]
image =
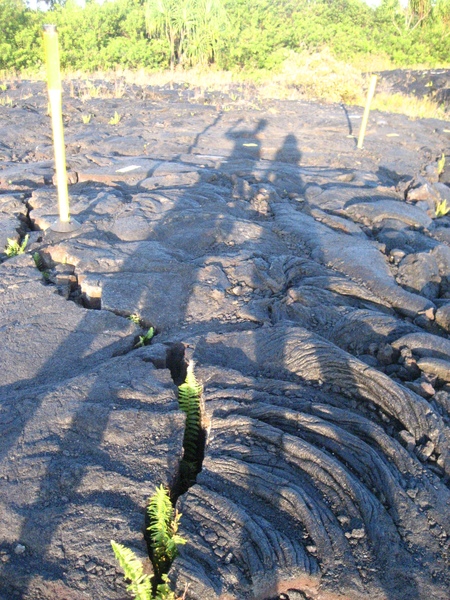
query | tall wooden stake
[371, 92]
[64, 223]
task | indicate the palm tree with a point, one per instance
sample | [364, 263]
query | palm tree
[420, 8]
[191, 27]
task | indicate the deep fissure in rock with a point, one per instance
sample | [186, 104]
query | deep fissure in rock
[24, 226]
[193, 450]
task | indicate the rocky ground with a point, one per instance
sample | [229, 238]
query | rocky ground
[309, 281]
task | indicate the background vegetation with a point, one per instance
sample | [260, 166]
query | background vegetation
[227, 34]
[249, 49]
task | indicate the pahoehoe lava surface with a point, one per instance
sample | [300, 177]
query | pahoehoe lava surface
[309, 282]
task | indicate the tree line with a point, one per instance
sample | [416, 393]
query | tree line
[230, 34]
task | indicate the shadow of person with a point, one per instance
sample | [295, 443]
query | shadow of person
[289, 152]
[247, 142]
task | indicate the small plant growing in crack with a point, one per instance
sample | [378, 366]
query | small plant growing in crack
[164, 541]
[144, 340]
[189, 398]
[115, 120]
[6, 101]
[13, 248]
[441, 209]
[140, 585]
[134, 318]
[86, 118]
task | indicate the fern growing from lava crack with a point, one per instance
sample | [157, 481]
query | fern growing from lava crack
[164, 540]
[164, 522]
[189, 394]
[140, 584]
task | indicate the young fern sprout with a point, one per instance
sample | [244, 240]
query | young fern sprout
[140, 584]
[115, 120]
[13, 248]
[134, 318]
[38, 261]
[144, 340]
[164, 522]
[441, 209]
[189, 394]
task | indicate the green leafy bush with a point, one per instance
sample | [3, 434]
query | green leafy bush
[20, 30]
[232, 34]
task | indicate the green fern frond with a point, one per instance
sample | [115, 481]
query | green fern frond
[140, 584]
[191, 380]
[13, 248]
[160, 512]
[441, 209]
[144, 340]
[163, 529]
[163, 591]
[189, 394]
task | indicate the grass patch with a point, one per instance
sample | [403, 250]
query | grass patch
[317, 76]
[411, 106]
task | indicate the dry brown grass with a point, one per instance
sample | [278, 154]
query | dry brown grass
[317, 77]
[411, 106]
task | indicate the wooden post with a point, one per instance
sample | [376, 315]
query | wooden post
[370, 93]
[64, 223]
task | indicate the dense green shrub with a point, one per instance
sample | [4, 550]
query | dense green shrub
[102, 37]
[233, 34]
[19, 40]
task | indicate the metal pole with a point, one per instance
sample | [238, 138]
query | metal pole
[64, 223]
[371, 92]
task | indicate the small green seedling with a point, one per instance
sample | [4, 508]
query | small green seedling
[13, 248]
[86, 118]
[164, 523]
[441, 164]
[135, 318]
[94, 92]
[3, 87]
[442, 209]
[115, 120]
[144, 340]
